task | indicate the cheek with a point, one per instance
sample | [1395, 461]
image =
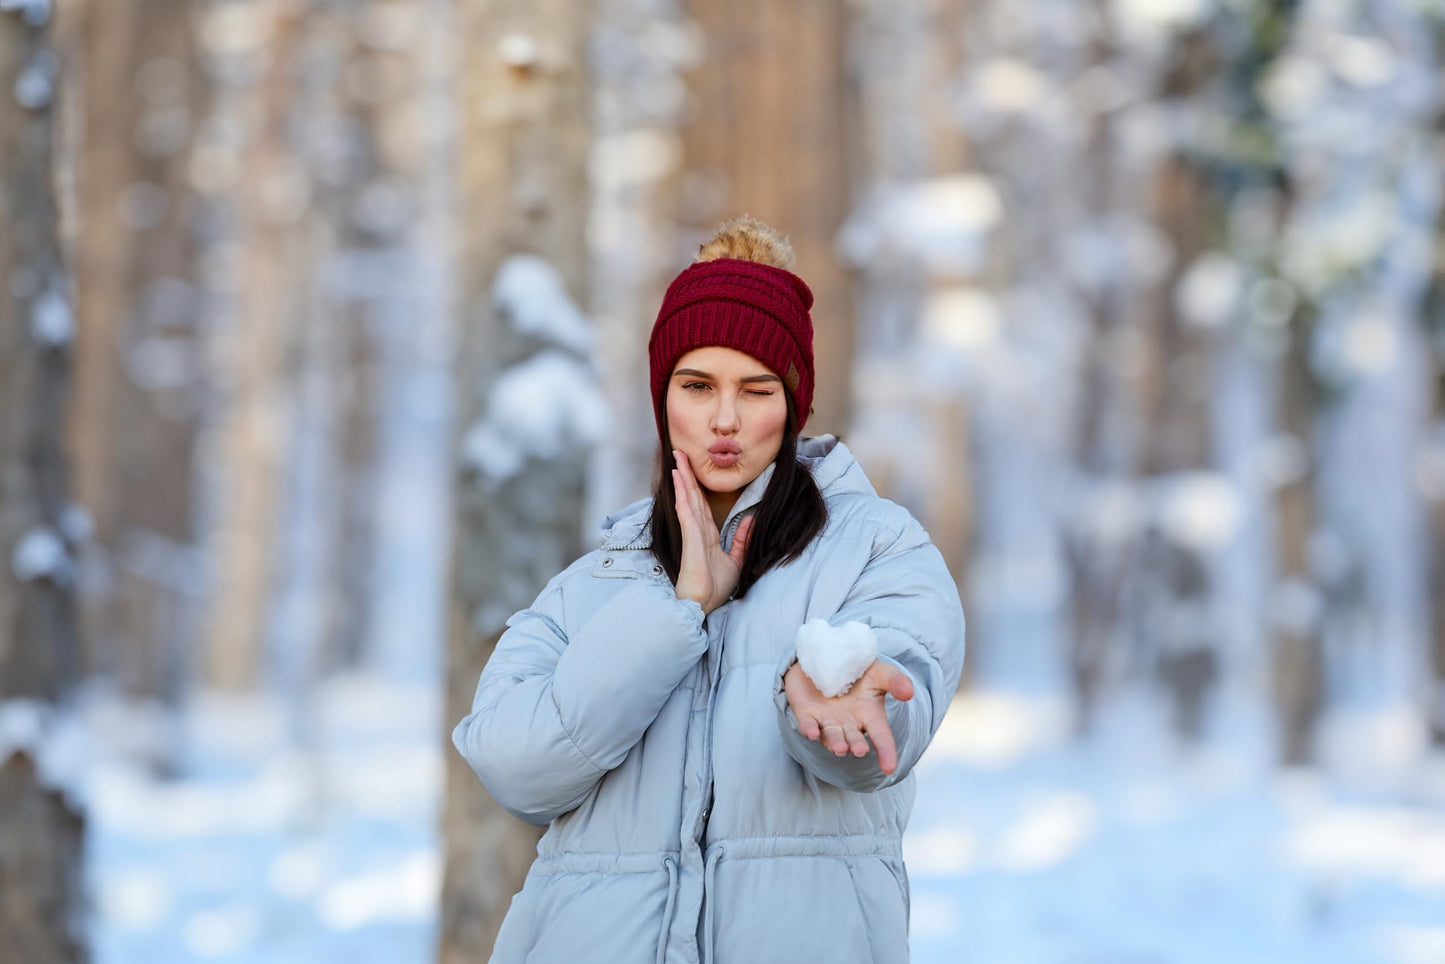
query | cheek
[771, 427]
[684, 421]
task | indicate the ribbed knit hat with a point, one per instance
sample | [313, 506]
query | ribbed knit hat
[756, 308]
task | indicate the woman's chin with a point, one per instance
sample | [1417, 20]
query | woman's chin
[731, 479]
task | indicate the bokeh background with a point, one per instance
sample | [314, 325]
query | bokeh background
[324, 346]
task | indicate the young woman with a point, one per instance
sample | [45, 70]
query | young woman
[707, 802]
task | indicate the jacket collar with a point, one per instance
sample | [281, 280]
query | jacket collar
[832, 465]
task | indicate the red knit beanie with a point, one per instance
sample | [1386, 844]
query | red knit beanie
[756, 308]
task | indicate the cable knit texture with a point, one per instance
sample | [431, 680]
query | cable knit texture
[755, 308]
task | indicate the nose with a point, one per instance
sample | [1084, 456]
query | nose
[725, 415]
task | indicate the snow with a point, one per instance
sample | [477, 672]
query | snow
[40, 553]
[1025, 844]
[1209, 290]
[1201, 510]
[1010, 85]
[833, 657]
[35, 85]
[518, 50]
[259, 850]
[51, 322]
[964, 319]
[539, 408]
[1028, 846]
[35, 12]
[941, 221]
[530, 293]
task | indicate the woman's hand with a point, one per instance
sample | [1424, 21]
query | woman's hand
[842, 722]
[707, 575]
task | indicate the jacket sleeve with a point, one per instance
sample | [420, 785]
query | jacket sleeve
[907, 595]
[553, 714]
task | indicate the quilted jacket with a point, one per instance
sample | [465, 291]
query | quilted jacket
[689, 821]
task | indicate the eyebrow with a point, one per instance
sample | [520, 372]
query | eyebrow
[749, 380]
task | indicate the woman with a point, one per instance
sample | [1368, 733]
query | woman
[707, 802]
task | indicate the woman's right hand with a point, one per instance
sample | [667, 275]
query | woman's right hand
[707, 575]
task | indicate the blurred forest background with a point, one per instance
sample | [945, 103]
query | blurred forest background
[324, 346]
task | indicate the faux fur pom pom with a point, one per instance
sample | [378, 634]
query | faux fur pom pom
[835, 656]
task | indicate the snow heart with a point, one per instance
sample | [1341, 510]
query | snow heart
[834, 657]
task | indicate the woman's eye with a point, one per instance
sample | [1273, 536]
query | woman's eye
[694, 386]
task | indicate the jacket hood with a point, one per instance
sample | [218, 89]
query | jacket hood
[832, 465]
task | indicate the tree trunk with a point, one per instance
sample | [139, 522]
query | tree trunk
[41, 835]
[767, 137]
[260, 194]
[1178, 442]
[139, 374]
[636, 182]
[523, 140]
[42, 886]
[900, 136]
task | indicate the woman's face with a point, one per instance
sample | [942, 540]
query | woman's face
[726, 412]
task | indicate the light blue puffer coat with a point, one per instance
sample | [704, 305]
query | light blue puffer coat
[689, 819]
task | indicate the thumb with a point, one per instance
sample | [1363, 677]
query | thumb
[741, 538]
[901, 686]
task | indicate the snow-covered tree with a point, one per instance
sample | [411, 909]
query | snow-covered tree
[41, 830]
[527, 407]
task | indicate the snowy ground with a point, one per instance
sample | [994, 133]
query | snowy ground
[1025, 847]
[1128, 849]
[265, 855]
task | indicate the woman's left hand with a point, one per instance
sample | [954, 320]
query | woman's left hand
[841, 723]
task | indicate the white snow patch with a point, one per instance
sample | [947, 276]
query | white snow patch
[1370, 345]
[519, 50]
[539, 408]
[990, 730]
[1413, 944]
[1201, 510]
[940, 852]
[1048, 832]
[408, 893]
[40, 553]
[221, 931]
[136, 899]
[1281, 460]
[1010, 85]
[964, 319]
[1293, 86]
[940, 221]
[1149, 16]
[35, 86]
[1209, 290]
[1362, 61]
[835, 656]
[530, 293]
[22, 723]
[298, 873]
[51, 322]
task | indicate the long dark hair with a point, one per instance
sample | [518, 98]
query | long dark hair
[790, 513]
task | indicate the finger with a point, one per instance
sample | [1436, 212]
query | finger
[901, 686]
[890, 679]
[808, 726]
[694, 495]
[856, 744]
[882, 738]
[834, 738]
[683, 504]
